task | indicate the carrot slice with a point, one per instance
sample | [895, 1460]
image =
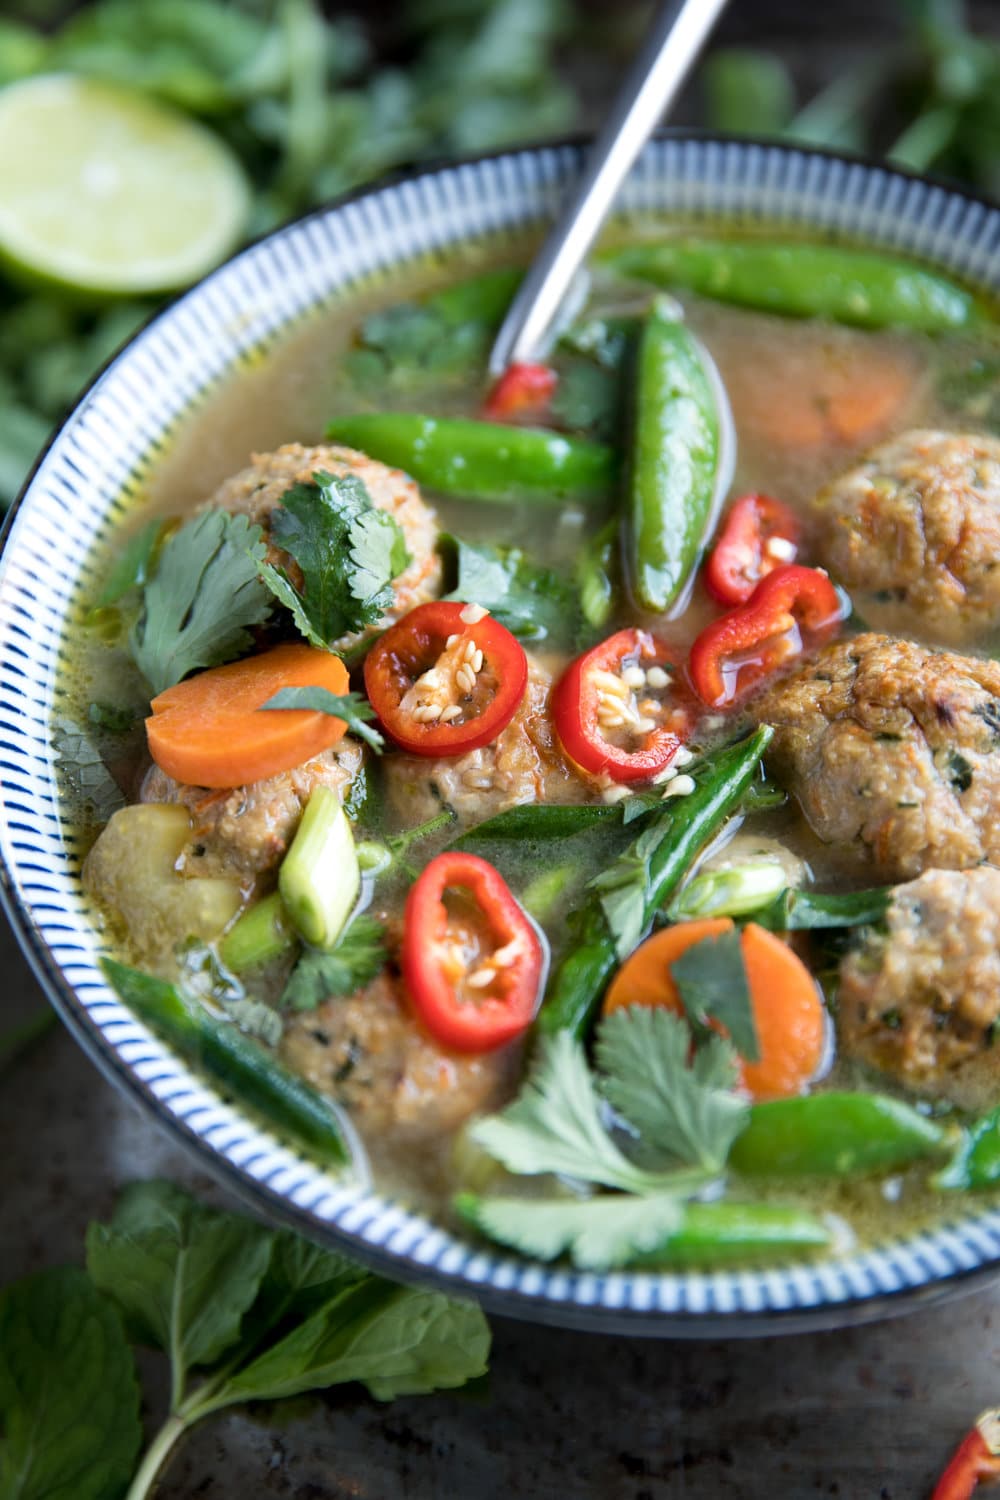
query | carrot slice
[788, 1012]
[210, 729]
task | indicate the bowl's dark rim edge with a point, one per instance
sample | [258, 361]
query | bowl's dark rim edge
[511, 1303]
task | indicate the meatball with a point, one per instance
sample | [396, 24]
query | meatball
[893, 751]
[523, 764]
[367, 1051]
[914, 533]
[922, 1000]
[257, 489]
[244, 831]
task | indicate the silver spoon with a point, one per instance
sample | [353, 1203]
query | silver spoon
[650, 87]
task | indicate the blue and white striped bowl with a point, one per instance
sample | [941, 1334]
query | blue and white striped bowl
[80, 488]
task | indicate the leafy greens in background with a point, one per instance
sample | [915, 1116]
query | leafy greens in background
[244, 1313]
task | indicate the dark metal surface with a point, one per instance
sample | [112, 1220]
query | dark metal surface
[861, 1413]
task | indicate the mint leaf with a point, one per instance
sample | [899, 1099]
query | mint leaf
[347, 551]
[555, 1125]
[183, 1275]
[83, 770]
[354, 709]
[712, 980]
[683, 1113]
[395, 1340]
[204, 595]
[597, 1233]
[69, 1398]
[356, 958]
[533, 603]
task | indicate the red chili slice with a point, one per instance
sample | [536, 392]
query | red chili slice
[477, 1004]
[736, 651]
[480, 668]
[758, 535]
[977, 1458]
[593, 700]
[521, 394]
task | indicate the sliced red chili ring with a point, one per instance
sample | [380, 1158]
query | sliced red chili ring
[735, 652]
[976, 1458]
[758, 535]
[474, 976]
[613, 694]
[446, 678]
[522, 393]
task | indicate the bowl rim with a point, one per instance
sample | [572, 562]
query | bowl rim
[63, 995]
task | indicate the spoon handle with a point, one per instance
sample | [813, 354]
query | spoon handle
[650, 87]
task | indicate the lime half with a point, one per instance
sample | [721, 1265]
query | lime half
[104, 191]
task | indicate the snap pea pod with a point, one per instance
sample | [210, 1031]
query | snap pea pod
[758, 889]
[836, 1134]
[482, 460]
[801, 911]
[596, 570]
[675, 455]
[976, 1163]
[717, 1234]
[856, 287]
[671, 837]
[233, 1059]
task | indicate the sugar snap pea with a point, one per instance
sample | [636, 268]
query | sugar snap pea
[677, 450]
[857, 287]
[718, 1234]
[671, 837]
[836, 1134]
[234, 1059]
[976, 1162]
[482, 460]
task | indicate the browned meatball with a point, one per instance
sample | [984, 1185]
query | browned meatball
[245, 831]
[257, 489]
[523, 764]
[922, 1000]
[893, 751]
[367, 1051]
[914, 534]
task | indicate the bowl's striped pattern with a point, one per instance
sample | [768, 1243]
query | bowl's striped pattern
[75, 497]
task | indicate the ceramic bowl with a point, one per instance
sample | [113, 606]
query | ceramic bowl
[76, 494]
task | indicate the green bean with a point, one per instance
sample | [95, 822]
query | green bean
[802, 280]
[264, 932]
[835, 1134]
[595, 575]
[674, 457]
[482, 460]
[670, 839]
[538, 821]
[801, 911]
[713, 1234]
[234, 1059]
[976, 1163]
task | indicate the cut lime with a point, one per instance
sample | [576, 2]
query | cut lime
[106, 192]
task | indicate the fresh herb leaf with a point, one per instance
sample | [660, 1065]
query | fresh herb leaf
[84, 772]
[587, 400]
[256, 1018]
[683, 1113]
[347, 551]
[184, 1276]
[112, 718]
[556, 1125]
[748, 92]
[533, 603]
[69, 1398]
[132, 566]
[202, 599]
[712, 981]
[355, 960]
[597, 1233]
[354, 709]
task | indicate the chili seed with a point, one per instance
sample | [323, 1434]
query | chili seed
[634, 677]
[451, 712]
[481, 978]
[681, 786]
[506, 955]
[424, 713]
[466, 679]
[657, 678]
[452, 640]
[615, 794]
[472, 614]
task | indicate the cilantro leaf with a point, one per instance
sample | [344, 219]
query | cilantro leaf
[555, 1125]
[682, 1114]
[131, 567]
[347, 551]
[354, 709]
[533, 603]
[199, 603]
[598, 1233]
[69, 1398]
[712, 980]
[357, 957]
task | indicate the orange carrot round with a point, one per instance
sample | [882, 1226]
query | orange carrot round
[211, 730]
[787, 1009]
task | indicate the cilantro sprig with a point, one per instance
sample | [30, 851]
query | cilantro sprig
[354, 709]
[356, 958]
[347, 551]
